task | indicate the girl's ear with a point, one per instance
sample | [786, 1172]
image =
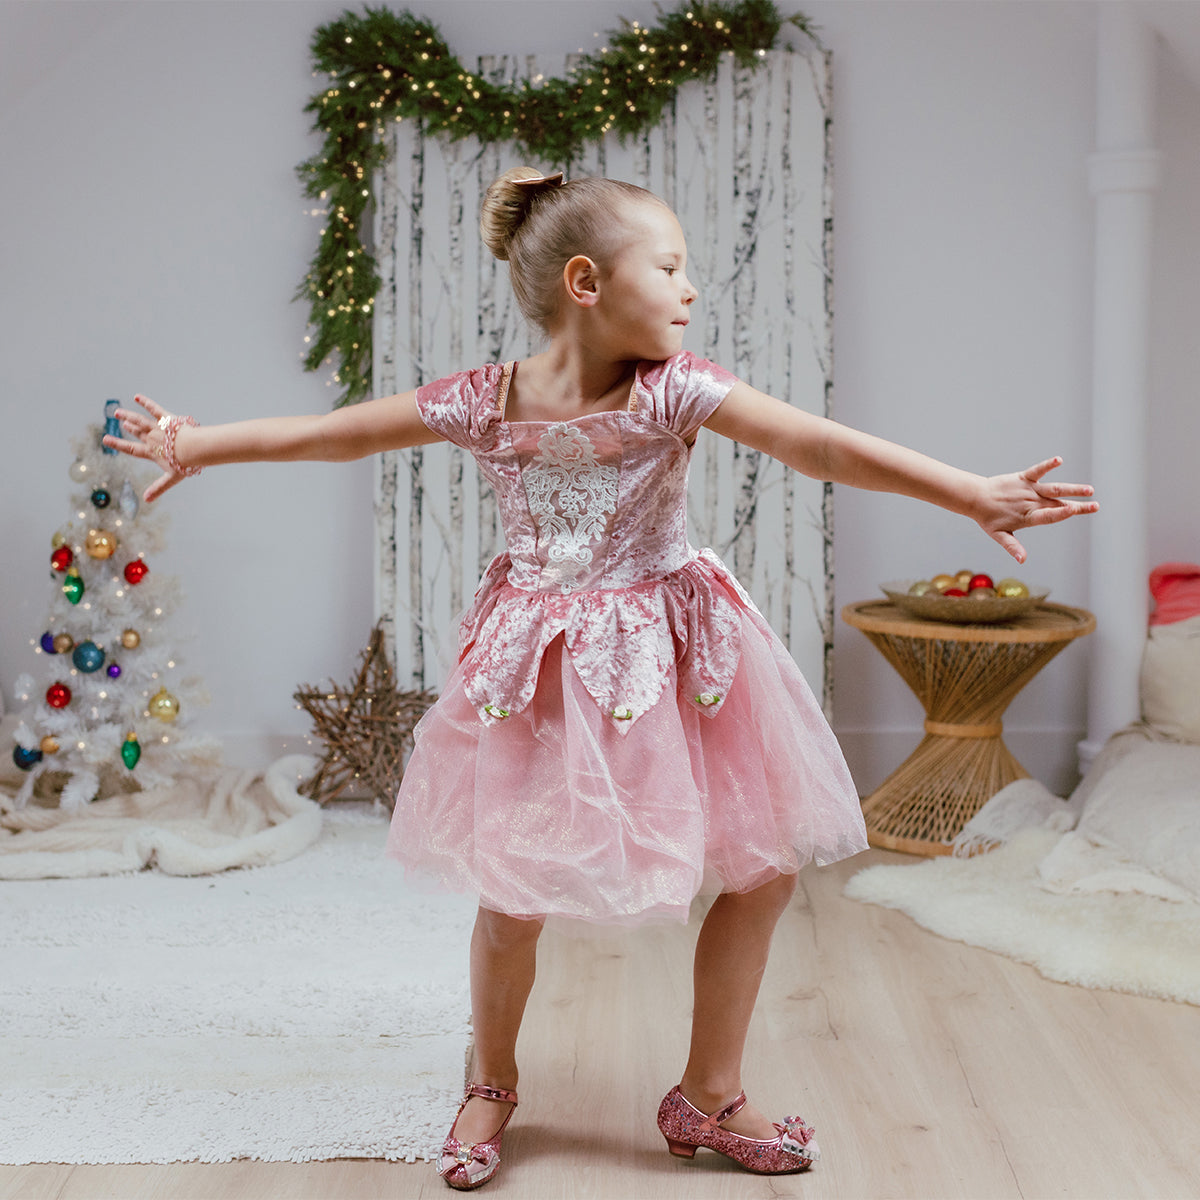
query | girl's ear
[581, 279]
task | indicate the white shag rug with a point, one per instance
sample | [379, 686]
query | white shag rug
[312, 1009]
[1128, 942]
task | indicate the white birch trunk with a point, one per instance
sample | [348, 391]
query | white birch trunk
[387, 465]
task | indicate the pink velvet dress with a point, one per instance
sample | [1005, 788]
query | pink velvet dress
[623, 729]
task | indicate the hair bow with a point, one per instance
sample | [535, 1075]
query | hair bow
[554, 180]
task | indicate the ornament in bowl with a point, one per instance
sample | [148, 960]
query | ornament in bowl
[965, 598]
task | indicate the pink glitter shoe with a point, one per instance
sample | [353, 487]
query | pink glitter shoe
[470, 1166]
[685, 1127]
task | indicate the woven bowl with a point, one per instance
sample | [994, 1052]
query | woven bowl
[962, 610]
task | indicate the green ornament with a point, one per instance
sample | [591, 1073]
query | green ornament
[73, 586]
[131, 751]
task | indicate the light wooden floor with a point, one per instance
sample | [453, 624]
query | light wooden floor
[930, 1069]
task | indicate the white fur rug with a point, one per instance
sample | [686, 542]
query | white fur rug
[312, 1009]
[1130, 942]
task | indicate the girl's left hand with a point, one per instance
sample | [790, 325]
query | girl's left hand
[145, 440]
[1012, 502]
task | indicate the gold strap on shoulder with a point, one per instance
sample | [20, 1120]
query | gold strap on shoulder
[633, 397]
[506, 374]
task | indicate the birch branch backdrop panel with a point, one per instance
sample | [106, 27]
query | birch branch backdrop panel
[745, 161]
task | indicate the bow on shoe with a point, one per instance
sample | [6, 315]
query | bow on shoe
[798, 1138]
[477, 1162]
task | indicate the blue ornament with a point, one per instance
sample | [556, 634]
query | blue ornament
[26, 759]
[48, 643]
[88, 657]
[101, 498]
[112, 427]
[114, 672]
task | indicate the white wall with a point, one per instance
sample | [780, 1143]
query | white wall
[152, 232]
[1175, 346]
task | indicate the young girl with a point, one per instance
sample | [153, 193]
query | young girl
[623, 730]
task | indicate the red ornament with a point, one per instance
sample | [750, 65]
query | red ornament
[954, 592]
[136, 571]
[978, 581]
[58, 695]
[62, 558]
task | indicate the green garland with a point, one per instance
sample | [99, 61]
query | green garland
[387, 66]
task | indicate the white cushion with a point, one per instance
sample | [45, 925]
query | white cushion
[1171, 680]
[1147, 807]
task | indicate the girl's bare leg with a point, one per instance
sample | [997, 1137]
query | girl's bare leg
[731, 955]
[503, 963]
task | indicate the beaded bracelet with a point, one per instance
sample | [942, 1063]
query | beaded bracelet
[170, 427]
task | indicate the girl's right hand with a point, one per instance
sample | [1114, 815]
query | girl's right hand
[147, 441]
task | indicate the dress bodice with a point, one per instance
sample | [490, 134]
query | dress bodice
[599, 501]
[594, 512]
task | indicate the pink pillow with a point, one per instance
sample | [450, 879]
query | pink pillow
[1176, 591]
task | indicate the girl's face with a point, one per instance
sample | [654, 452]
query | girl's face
[644, 295]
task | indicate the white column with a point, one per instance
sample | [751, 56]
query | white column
[1123, 174]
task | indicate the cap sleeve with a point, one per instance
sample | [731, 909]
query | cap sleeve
[683, 392]
[461, 407]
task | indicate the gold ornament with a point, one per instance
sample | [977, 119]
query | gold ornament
[131, 639]
[942, 582]
[1012, 589]
[163, 706]
[101, 543]
[49, 745]
[921, 588]
[64, 643]
[57, 540]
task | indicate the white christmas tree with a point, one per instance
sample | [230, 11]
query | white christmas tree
[110, 714]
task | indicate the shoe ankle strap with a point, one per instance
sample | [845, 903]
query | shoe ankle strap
[723, 1114]
[503, 1094]
[714, 1120]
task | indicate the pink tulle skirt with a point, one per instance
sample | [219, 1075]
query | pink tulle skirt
[553, 811]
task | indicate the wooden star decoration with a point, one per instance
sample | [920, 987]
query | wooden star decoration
[367, 729]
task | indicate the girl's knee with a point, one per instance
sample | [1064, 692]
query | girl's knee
[501, 931]
[773, 895]
[782, 889]
[789, 883]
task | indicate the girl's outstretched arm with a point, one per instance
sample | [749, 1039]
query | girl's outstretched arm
[823, 449]
[390, 423]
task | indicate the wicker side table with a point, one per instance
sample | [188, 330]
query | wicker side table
[965, 677]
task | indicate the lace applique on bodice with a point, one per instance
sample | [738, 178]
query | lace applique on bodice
[571, 498]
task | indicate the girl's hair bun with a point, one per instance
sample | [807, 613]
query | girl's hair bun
[507, 203]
